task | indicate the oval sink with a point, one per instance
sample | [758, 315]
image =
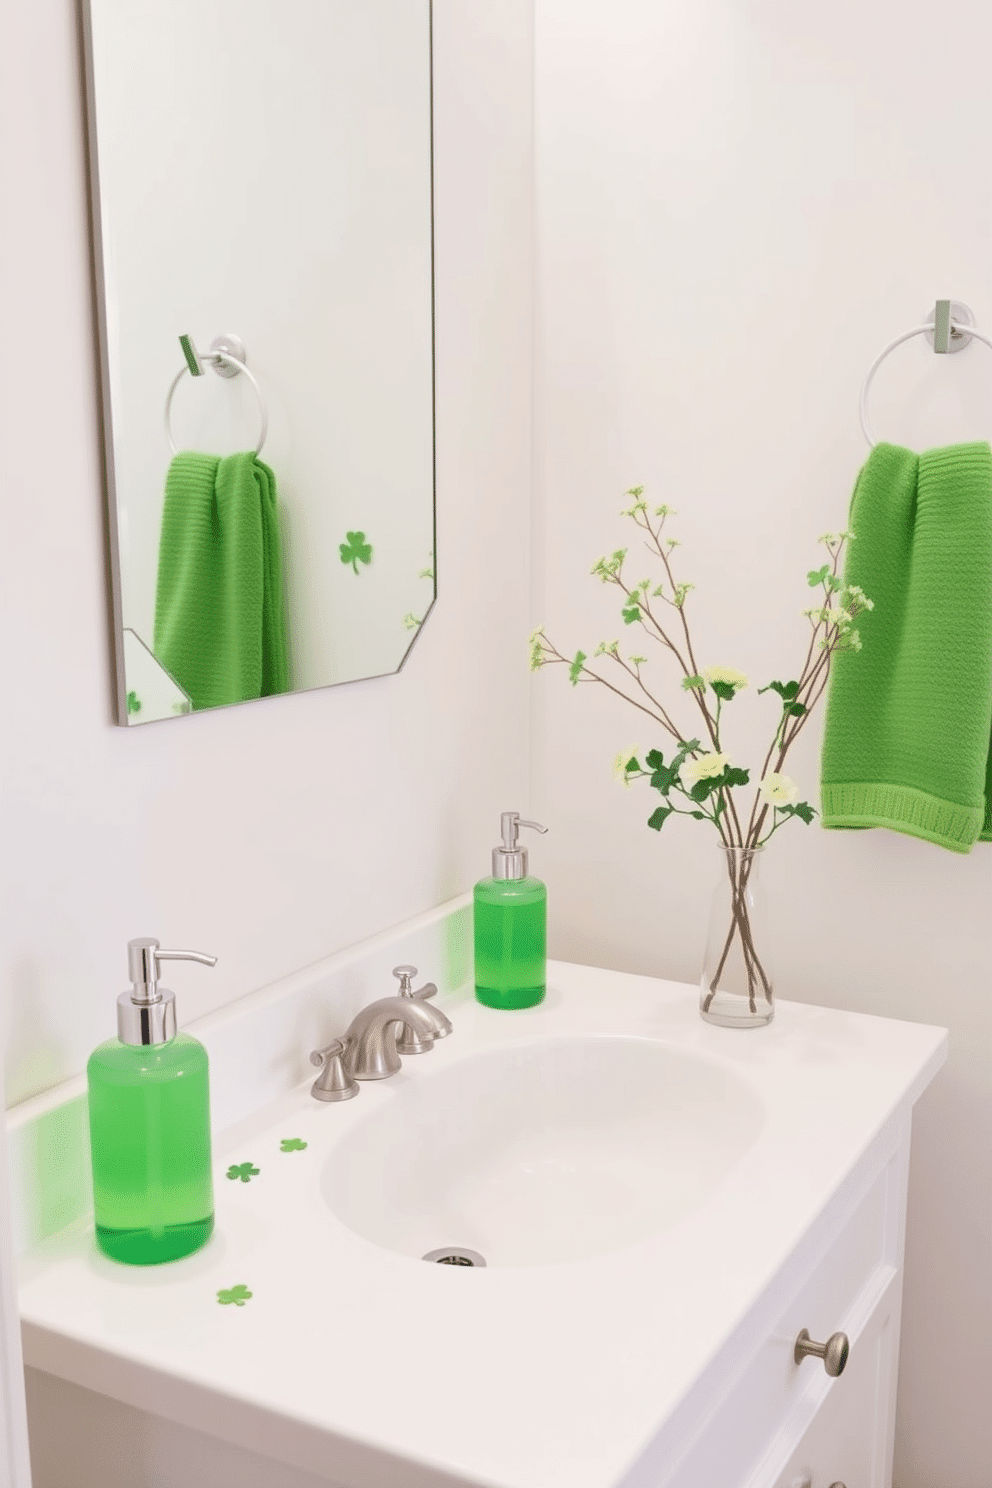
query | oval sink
[552, 1150]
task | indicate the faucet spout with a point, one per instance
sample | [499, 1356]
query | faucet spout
[371, 1040]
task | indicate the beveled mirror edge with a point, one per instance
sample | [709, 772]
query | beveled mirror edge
[121, 716]
[102, 348]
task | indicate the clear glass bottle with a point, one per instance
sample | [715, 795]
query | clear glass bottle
[736, 989]
[149, 1111]
[510, 912]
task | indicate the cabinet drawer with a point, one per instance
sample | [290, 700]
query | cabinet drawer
[846, 1441]
[772, 1399]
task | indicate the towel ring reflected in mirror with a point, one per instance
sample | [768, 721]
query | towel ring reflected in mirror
[229, 362]
[950, 321]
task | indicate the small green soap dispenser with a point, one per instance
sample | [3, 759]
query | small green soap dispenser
[149, 1104]
[510, 921]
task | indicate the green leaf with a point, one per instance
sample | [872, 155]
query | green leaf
[724, 691]
[734, 775]
[654, 759]
[785, 690]
[575, 669]
[817, 576]
[704, 788]
[356, 550]
[658, 818]
[833, 583]
[804, 811]
[631, 612]
[292, 1144]
[698, 815]
[631, 766]
[693, 684]
[237, 1294]
[796, 709]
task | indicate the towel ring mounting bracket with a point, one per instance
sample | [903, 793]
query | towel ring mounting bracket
[949, 326]
[228, 357]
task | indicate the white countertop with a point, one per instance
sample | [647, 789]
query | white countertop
[379, 1370]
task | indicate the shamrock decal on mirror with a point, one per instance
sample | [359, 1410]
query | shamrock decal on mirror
[356, 550]
[292, 1144]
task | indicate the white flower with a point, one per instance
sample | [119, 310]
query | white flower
[704, 767]
[837, 615]
[736, 680]
[622, 761]
[778, 790]
[853, 593]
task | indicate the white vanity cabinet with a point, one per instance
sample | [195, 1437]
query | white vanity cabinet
[849, 1441]
[664, 1359]
[786, 1425]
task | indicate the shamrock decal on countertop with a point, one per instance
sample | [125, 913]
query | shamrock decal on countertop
[356, 550]
[291, 1144]
[244, 1171]
[237, 1294]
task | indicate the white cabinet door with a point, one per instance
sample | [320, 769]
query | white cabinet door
[849, 1439]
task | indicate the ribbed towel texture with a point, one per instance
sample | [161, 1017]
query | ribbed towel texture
[906, 741]
[219, 619]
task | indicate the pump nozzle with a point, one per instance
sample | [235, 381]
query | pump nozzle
[510, 861]
[146, 1014]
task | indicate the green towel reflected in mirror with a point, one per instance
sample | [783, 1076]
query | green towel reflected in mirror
[220, 625]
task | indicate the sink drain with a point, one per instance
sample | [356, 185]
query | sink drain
[454, 1255]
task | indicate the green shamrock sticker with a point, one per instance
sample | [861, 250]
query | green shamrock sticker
[133, 703]
[244, 1171]
[237, 1294]
[356, 550]
[291, 1144]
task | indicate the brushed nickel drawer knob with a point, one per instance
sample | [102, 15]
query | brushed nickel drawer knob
[833, 1353]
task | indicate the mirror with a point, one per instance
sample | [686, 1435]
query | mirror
[262, 187]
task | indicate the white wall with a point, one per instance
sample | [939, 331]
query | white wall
[739, 203]
[273, 833]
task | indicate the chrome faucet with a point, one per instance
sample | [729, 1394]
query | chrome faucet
[383, 1030]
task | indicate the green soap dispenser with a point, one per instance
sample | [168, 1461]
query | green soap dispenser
[149, 1105]
[510, 923]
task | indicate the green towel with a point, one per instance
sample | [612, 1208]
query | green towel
[906, 741]
[219, 620]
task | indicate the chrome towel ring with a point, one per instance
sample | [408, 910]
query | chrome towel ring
[950, 323]
[228, 357]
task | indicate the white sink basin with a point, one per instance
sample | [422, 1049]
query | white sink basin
[552, 1150]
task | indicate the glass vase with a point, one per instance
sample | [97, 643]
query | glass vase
[736, 987]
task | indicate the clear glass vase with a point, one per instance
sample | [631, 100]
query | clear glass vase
[736, 987]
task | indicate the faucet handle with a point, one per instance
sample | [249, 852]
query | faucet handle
[332, 1084]
[406, 975]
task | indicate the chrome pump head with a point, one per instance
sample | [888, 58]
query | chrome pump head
[510, 860]
[147, 1014]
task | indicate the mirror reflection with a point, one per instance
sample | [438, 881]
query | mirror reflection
[262, 213]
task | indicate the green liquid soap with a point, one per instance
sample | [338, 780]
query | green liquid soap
[510, 942]
[150, 1141]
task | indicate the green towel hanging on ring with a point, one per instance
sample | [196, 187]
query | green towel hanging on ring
[219, 614]
[906, 741]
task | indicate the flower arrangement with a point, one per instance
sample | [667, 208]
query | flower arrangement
[700, 779]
